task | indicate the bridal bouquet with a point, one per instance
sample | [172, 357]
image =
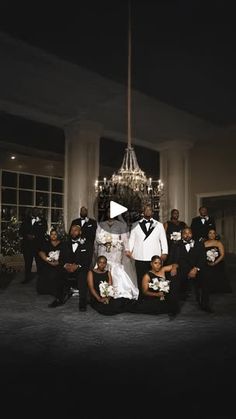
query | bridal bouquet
[106, 290]
[109, 241]
[212, 254]
[160, 284]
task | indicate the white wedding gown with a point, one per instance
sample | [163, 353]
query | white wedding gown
[122, 268]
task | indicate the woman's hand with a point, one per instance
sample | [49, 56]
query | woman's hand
[104, 300]
[128, 254]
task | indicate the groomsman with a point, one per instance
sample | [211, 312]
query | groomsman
[189, 258]
[202, 224]
[88, 230]
[32, 230]
[147, 238]
[74, 262]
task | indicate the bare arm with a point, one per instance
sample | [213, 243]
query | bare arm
[109, 278]
[222, 253]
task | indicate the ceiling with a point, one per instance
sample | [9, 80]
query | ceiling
[183, 53]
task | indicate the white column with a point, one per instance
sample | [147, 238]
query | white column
[81, 167]
[174, 172]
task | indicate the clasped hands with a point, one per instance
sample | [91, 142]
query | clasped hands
[71, 267]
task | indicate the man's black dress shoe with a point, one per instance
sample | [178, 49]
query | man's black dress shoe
[82, 308]
[55, 303]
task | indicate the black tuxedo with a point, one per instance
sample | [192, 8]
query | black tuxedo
[79, 257]
[199, 229]
[31, 246]
[196, 257]
[88, 230]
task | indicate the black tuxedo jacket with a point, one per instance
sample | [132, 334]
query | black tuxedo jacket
[38, 229]
[88, 229]
[196, 257]
[199, 229]
[79, 257]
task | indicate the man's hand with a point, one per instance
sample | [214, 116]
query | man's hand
[193, 273]
[71, 267]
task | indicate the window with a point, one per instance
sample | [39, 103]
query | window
[20, 192]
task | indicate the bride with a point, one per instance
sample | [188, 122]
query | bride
[110, 241]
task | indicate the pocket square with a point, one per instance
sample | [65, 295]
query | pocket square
[90, 225]
[83, 250]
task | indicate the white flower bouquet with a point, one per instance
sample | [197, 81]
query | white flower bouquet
[109, 241]
[106, 290]
[175, 236]
[53, 256]
[160, 284]
[212, 254]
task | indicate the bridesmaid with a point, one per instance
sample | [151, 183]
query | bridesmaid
[49, 256]
[104, 305]
[153, 300]
[216, 278]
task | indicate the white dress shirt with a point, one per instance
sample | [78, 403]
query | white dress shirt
[74, 246]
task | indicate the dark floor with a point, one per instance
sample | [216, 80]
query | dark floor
[52, 359]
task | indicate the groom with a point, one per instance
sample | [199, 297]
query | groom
[147, 238]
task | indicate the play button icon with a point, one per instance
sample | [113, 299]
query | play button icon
[116, 209]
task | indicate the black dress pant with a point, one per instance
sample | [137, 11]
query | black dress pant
[142, 267]
[30, 253]
[80, 278]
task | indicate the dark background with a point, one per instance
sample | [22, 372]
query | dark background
[183, 52]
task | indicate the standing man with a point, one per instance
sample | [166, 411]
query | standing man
[189, 257]
[88, 230]
[202, 224]
[74, 262]
[147, 238]
[33, 230]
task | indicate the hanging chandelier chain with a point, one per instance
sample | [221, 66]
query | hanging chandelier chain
[129, 78]
[130, 181]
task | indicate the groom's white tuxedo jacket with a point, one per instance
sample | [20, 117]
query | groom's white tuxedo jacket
[146, 243]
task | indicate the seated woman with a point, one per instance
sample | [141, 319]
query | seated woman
[49, 278]
[216, 278]
[105, 303]
[159, 294]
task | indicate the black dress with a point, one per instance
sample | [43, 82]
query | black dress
[173, 232]
[217, 280]
[153, 305]
[115, 306]
[47, 281]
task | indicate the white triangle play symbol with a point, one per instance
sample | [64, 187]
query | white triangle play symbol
[116, 209]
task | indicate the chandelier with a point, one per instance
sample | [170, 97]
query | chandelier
[129, 185]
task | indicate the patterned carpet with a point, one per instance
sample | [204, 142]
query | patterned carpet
[52, 358]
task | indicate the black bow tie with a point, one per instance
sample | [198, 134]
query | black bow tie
[75, 241]
[146, 221]
[187, 242]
